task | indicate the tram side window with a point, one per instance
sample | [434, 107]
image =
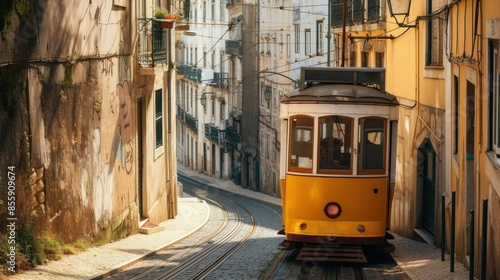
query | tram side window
[371, 156]
[335, 143]
[301, 145]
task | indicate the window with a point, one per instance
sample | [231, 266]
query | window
[268, 145]
[195, 62]
[281, 43]
[379, 60]
[435, 36]
[307, 40]
[159, 118]
[222, 63]
[212, 107]
[335, 144]
[455, 115]
[212, 13]
[301, 146]
[352, 55]
[223, 109]
[297, 39]
[371, 145]
[214, 62]
[365, 59]
[494, 89]
[204, 10]
[320, 37]
[288, 41]
[204, 57]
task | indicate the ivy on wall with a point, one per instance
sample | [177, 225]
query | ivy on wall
[23, 8]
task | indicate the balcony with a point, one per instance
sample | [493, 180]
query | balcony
[152, 43]
[233, 47]
[355, 12]
[192, 123]
[212, 132]
[194, 75]
[181, 113]
[184, 69]
[233, 138]
[221, 80]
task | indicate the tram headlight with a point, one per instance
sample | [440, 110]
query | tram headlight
[332, 210]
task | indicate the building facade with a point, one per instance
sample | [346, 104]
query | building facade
[86, 117]
[445, 76]
[204, 91]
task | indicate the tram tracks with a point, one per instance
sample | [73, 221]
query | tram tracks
[216, 245]
[286, 266]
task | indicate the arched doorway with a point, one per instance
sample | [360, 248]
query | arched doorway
[426, 185]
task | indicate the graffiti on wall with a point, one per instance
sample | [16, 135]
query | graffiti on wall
[102, 180]
[122, 148]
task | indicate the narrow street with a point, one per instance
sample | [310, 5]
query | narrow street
[239, 242]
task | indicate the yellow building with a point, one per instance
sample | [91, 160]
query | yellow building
[444, 66]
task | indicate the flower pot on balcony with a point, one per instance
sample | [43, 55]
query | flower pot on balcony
[167, 24]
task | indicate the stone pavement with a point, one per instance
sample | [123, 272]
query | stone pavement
[418, 260]
[97, 262]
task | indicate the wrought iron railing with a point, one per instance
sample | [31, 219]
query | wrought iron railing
[233, 47]
[355, 12]
[221, 79]
[192, 123]
[151, 44]
[233, 138]
[183, 69]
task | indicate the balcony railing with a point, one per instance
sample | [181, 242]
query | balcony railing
[194, 75]
[152, 43]
[184, 69]
[355, 12]
[181, 113]
[221, 79]
[192, 123]
[233, 138]
[212, 132]
[233, 47]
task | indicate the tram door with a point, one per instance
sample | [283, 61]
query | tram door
[426, 174]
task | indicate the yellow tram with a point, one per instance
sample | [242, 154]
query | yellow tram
[338, 147]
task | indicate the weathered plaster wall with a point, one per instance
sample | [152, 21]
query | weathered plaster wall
[75, 173]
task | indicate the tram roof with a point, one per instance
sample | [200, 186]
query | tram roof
[341, 93]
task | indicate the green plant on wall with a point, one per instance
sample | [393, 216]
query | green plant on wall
[23, 9]
[68, 81]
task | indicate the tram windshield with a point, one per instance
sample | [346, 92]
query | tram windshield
[335, 143]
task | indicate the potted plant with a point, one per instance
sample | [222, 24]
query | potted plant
[163, 17]
[160, 13]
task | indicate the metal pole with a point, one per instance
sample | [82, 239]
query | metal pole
[452, 250]
[484, 238]
[443, 227]
[471, 246]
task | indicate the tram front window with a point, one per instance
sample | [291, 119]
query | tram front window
[371, 157]
[301, 146]
[335, 143]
